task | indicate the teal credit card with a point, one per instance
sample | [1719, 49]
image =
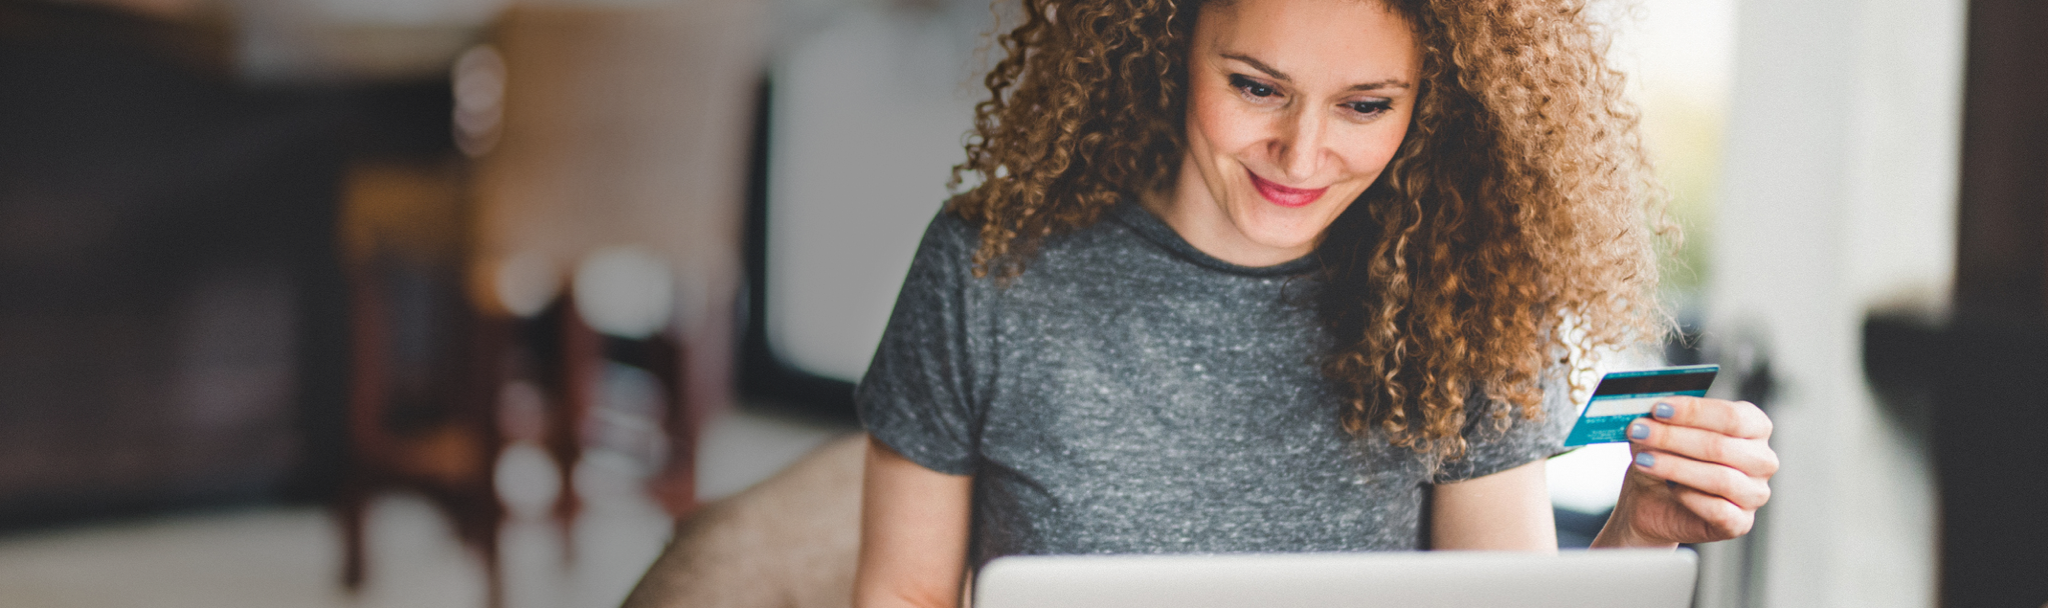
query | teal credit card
[1622, 397]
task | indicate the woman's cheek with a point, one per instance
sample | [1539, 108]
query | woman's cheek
[1386, 142]
[1226, 123]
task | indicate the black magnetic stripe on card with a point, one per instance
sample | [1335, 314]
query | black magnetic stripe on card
[1661, 383]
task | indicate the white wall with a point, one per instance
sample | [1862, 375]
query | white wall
[1839, 197]
[868, 114]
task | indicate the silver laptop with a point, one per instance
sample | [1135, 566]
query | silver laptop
[1640, 578]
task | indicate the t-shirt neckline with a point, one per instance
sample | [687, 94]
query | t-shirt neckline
[1141, 221]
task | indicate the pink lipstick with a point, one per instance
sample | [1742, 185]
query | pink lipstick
[1282, 195]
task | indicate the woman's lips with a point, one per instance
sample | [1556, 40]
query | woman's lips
[1282, 195]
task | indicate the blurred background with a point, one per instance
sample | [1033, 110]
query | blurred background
[464, 302]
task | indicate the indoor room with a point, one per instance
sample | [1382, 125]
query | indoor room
[539, 303]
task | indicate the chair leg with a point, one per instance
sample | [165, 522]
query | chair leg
[494, 568]
[702, 387]
[578, 372]
[676, 486]
[478, 519]
[487, 513]
[369, 387]
[349, 507]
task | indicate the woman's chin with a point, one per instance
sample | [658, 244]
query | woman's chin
[1283, 228]
[1283, 240]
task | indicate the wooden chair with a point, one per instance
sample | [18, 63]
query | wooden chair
[426, 363]
[429, 364]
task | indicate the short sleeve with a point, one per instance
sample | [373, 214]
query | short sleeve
[920, 394]
[1525, 441]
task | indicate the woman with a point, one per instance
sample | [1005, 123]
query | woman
[1278, 275]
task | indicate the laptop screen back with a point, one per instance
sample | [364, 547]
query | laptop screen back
[1574, 579]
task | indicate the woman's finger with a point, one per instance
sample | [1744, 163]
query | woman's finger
[1750, 456]
[1738, 418]
[1723, 519]
[1718, 480]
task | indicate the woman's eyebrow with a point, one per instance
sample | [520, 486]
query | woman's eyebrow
[1258, 65]
[1390, 83]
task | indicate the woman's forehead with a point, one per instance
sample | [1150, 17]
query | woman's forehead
[1340, 40]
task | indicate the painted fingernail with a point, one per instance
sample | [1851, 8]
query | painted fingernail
[1645, 460]
[1663, 411]
[1638, 431]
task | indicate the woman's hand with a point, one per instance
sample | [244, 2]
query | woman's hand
[1702, 468]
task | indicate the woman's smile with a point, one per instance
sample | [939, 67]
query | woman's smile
[1285, 196]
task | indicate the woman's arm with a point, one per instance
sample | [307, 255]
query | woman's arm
[1505, 511]
[913, 534]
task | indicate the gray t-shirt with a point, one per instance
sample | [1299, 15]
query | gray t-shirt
[1129, 394]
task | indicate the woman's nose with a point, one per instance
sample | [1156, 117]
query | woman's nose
[1298, 145]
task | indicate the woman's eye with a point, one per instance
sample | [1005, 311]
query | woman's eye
[1370, 108]
[1251, 87]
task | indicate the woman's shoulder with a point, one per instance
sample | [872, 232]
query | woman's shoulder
[948, 229]
[949, 241]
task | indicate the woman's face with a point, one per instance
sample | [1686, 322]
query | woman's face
[1294, 108]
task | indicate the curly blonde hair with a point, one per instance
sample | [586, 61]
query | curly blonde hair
[1513, 226]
